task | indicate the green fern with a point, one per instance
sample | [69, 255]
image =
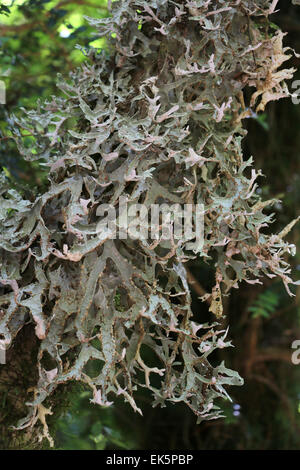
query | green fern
[265, 304]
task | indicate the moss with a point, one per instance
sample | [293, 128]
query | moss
[118, 302]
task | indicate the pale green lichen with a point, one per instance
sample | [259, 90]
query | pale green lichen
[158, 119]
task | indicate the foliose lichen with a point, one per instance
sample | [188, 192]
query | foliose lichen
[157, 118]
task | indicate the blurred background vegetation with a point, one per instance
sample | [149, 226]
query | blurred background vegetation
[38, 40]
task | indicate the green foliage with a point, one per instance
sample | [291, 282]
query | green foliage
[84, 428]
[265, 304]
[262, 120]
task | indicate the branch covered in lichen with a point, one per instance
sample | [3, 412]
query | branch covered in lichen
[158, 119]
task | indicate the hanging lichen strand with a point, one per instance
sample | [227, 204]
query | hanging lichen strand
[158, 119]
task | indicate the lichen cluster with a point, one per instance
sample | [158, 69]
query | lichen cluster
[156, 118]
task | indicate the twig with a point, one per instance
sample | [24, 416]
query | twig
[195, 285]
